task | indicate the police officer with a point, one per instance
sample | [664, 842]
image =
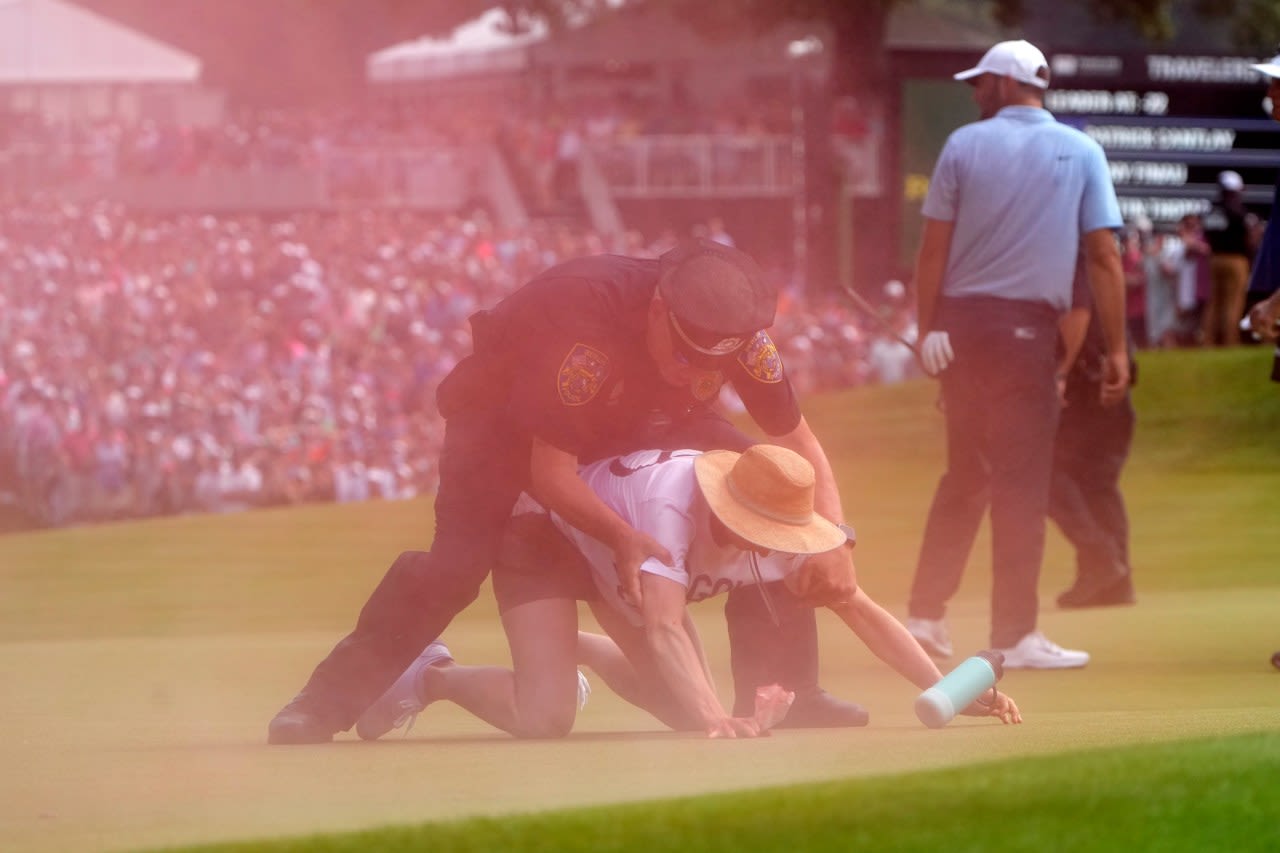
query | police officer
[1012, 199]
[1090, 451]
[594, 357]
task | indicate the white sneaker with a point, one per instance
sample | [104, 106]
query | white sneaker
[932, 635]
[1036, 651]
[402, 702]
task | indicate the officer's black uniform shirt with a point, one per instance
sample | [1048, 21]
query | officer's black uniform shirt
[570, 348]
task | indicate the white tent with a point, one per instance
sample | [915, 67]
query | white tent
[482, 45]
[49, 41]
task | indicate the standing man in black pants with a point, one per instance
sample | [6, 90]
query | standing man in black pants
[594, 357]
[1090, 451]
[1013, 199]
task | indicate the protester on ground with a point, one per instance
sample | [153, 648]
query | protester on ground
[731, 520]
[594, 357]
[1012, 200]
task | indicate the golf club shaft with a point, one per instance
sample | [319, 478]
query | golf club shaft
[867, 308]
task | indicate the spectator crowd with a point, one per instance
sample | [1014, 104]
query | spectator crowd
[155, 365]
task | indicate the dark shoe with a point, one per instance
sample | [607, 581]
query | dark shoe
[1099, 591]
[297, 724]
[818, 709]
[1275, 660]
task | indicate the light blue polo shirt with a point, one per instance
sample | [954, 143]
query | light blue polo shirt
[1021, 189]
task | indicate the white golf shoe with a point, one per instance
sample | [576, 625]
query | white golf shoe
[1036, 651]
[932, 635]
[403, 700]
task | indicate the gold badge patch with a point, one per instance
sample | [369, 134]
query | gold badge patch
[760, 358]
[582, 374]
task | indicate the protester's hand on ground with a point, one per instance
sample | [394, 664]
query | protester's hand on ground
[735, 727]
[1003, 707]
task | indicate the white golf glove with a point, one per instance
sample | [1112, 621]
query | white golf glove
[936, 352]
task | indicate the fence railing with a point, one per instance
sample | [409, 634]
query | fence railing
[698, 165]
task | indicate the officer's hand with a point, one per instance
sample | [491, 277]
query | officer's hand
[825, 579]
[936, 353]
[1263, 316]
[629, 554]
[1115, 378]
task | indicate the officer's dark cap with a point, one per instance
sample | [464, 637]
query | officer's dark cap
[715, 291]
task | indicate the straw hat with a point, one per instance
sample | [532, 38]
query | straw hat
[765, 495]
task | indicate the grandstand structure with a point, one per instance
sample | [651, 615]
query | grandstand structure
[739, 129]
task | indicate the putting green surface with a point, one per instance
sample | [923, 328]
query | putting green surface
[140, 663]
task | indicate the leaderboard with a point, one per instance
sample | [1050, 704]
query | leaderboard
[1169, 125]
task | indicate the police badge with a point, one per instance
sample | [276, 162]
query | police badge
[761, 360]
[582, 374]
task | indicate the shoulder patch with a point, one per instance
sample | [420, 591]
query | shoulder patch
[582, 374]
[761, 360]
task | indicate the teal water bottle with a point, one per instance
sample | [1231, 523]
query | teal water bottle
[939, 705]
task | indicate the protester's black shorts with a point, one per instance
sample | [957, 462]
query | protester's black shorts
[537, 562]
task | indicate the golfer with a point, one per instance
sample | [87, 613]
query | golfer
[731, 521]
[1012, 199]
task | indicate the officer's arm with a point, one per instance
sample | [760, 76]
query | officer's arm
[554, 481]
[824, 578]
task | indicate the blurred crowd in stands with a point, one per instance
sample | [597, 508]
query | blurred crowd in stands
[1169, 287]
[156, 365]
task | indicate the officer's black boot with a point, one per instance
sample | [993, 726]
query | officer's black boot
[763, 653]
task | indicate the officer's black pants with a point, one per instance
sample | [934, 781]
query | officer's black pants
[1085, 499]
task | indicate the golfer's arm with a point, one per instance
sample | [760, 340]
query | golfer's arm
[931, 266]
[1106, 280]
[554, 481]
[676, 655]
[888, 639]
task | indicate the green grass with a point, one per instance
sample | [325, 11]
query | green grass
[140, 662]
[1209, 794]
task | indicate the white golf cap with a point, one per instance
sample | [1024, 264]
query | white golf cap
[1230, 180]
[1270, 68]
[1018, 59]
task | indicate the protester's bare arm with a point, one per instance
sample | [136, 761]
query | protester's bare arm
[554, 481]
[679, 661]
[831, 576]
[1106, 280]
[890, 641]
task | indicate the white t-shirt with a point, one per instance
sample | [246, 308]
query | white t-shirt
[657, 493]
